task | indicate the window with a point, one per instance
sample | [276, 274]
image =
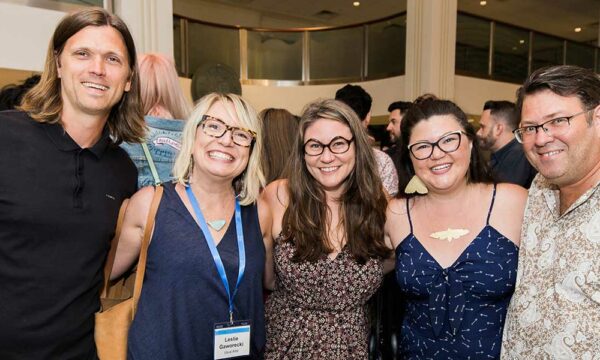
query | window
[275, 55]
[387, 47]
[472, 45]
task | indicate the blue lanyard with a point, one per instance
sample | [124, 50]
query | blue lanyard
[213, 248]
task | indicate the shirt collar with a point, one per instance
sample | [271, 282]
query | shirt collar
[551, 195]
[64, 142]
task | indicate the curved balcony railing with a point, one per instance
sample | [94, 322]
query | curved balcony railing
[360, 52]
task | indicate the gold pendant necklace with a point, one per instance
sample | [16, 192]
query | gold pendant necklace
[449, 234]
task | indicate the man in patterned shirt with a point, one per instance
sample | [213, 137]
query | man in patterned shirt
[555, 310]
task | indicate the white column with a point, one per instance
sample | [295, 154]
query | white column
[150, 22]
[430, 48]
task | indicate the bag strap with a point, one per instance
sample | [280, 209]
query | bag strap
[110, 259]
[141, 267]
[151, 163]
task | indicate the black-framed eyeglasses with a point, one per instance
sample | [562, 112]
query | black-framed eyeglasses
[337, 145]
[448, 143]
[552, 127]
[216, 128]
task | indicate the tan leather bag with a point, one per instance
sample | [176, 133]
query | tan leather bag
[118, 302]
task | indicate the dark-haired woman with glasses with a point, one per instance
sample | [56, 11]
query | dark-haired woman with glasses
[456, 237]
[328, 221]
[202, 293]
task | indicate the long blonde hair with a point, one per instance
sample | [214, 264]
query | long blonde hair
[249, 183]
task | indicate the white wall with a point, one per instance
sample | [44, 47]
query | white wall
[25, 31]
[150, 23]
[24, 34]
[294, 98]
[471, 93]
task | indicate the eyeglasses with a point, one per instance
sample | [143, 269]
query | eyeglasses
[448, 143]
[216, 128]
[552, 127]
[337, 145]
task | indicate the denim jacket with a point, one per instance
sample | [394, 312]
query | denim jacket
[164, 142]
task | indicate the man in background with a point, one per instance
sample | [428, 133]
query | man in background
[397, 110]
[360, 101]
[495, 134]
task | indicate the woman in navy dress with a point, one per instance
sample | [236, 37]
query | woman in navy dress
[207, 255]
[456, 237]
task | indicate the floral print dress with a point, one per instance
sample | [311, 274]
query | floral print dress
[318, 309]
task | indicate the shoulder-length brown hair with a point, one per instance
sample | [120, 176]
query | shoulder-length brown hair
[279, 133]
[44, 103]
[363, 201]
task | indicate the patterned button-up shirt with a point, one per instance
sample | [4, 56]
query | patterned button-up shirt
[555, 310]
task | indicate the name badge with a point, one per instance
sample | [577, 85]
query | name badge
[232, 340]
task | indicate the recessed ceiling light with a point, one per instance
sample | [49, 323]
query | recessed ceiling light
[356, 3]
[521, 41]
[577, 29]
[483, 3]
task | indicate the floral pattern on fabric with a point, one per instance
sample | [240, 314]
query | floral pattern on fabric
[318, 310]
[555, 310]
[387, 171]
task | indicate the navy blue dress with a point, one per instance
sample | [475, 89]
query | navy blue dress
[183, 296]
[457, 312]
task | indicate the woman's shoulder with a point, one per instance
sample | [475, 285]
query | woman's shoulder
[276, 193]
[397, 225]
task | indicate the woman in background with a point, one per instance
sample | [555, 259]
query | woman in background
[456, 236]
[165, 107]
[279, 132]
[206, 259]
[328, 221]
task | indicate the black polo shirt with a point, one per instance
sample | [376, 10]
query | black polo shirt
[509, 164]
[58, 209]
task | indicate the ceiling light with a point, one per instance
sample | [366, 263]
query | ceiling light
[521, 41]
[483, 3]
[577, 29]
[356, 3]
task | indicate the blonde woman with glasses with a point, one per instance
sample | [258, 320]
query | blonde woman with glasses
[202, 293]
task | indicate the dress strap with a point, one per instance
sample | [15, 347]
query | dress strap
[487, 221]
[408, 213]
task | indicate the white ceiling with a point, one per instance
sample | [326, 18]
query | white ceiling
[555, 17]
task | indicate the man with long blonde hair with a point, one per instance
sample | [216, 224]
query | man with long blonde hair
[62, 184]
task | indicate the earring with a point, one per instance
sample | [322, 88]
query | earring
[416, 185]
